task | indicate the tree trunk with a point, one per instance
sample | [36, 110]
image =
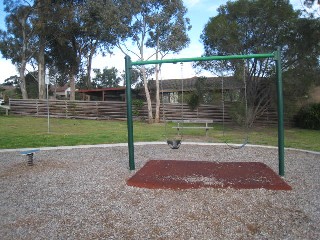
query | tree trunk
[42, 11]
[89, 65]
[88, 82]
[72, 87]
[157, 117]
[41, 71]
[22, 68]
[22, 81]
[146, 90]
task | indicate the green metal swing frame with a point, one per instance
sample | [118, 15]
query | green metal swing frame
[275, 55]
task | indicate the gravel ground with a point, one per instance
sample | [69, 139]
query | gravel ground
[81, 193]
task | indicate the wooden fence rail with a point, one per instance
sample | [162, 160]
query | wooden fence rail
[117, 110]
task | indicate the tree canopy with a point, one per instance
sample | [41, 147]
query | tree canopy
[18, 42]
[106, 78]
[67, 34]
[247, 27]
[160, 26]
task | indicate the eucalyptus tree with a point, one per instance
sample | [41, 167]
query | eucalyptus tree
[168, 34]
[247, 27]
[159, 26]
[42, 12]
[65, 45]
[38, 14]
[106, 78]
[104, 22]
[79, 30]
[17, 43]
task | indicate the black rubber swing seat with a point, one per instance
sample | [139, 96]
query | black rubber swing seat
[174, 144]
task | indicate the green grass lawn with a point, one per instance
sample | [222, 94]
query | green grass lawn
[25, 132]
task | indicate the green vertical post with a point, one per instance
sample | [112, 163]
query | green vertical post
[280, 112]
[128, 66]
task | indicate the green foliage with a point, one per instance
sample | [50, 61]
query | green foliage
[107, 78]
[137, 106]
[308, 117]
[71, 33]
[160, 26]
[246, 27]
[12, 93]
[237, 113]
[19, 31]
[199, 95]
[18, 42]
[32, 85]
[193, 100]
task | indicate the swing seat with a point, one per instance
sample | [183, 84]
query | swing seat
[174, 144]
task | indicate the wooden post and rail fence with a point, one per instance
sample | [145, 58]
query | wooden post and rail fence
[116, 110]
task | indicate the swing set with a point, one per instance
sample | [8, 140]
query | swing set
[276, 57]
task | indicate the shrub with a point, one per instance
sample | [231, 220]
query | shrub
[137, 106]
[308, 117]
[193, 100]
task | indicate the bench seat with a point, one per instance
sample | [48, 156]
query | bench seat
[193, 121]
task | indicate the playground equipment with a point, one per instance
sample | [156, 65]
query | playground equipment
[175, 141]
[275, 55]
[245, 121]
[29, 154]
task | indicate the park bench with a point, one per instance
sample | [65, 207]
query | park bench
[204, 124]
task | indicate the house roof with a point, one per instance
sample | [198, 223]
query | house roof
[189, 84]
[61, 88]
[102, 90]
[7, 87]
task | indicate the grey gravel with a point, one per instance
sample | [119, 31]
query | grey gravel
[81, 193]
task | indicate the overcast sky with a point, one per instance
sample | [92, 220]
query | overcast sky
[199, 12]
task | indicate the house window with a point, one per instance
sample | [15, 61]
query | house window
[165, 98]
[170, 97]
[174, 97]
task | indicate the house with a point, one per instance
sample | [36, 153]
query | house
[8, 91]
[171, 89]
[62, 92]
[105, 94]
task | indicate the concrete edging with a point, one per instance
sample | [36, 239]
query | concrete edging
[148, 143]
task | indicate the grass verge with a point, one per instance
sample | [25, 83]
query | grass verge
[25, 132]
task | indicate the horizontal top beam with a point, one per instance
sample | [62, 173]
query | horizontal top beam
[209, 58]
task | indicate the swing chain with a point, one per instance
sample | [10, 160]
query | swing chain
[246, 110]
[174, 144]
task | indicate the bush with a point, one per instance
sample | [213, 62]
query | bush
[308, 117]
[193, 100]
[137, 106]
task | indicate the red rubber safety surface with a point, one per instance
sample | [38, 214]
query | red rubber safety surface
[178, 174]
